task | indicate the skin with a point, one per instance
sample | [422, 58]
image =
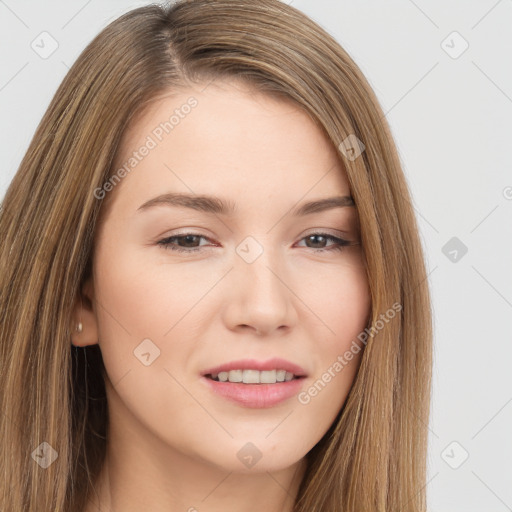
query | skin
[172, 442]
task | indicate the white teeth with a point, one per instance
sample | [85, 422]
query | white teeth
[268, 377]
[235, 376]
[253, 376]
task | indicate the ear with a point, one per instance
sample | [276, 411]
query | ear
[84, 312]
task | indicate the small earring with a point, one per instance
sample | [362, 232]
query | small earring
[79, 327]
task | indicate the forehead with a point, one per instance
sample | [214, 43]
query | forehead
[229, 140]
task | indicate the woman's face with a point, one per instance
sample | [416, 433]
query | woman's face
[250, 281]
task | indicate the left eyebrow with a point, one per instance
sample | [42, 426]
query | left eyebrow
[321, 205]
[216, 205]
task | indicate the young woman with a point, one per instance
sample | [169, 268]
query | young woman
[213, 293]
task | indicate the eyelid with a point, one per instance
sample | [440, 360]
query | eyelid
[327, 231]
[183, 232]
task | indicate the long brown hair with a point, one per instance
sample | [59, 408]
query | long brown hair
[374, 455]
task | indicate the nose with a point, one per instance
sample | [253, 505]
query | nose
[261, 298]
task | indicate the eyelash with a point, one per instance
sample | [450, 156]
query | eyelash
[339, 245]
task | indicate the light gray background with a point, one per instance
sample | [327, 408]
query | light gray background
[451, 118]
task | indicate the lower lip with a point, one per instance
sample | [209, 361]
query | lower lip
[256, 396]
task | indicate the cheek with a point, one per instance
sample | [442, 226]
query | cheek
[137, 305]
[141, 294]
[340, 299]
[132, 305]
[342, 304]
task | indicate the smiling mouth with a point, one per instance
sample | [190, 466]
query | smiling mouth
[253, 377]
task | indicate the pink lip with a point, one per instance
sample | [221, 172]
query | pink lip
[256, 396]
[252, 364]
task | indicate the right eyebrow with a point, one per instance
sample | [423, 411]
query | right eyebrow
[202, 203]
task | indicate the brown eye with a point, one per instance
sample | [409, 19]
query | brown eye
[318, 241]
[186, 243]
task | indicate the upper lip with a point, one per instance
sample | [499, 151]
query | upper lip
[253, 364]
